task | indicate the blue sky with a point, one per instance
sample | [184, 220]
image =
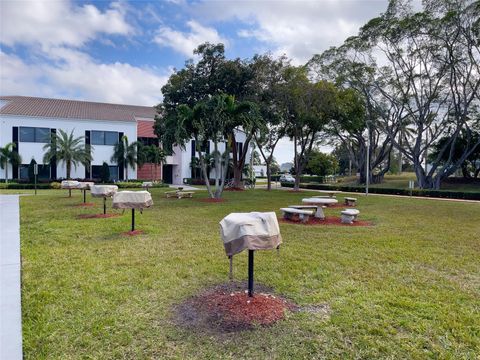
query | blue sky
[123, 52]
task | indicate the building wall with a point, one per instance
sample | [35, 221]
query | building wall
[100, 153]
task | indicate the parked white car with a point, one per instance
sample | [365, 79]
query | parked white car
[287, 178]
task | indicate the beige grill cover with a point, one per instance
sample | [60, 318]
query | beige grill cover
[132, 200]
[70, 184]
[252, 231]
[85, 185]
[103, 190]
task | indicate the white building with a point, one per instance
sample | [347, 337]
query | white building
[28, 122]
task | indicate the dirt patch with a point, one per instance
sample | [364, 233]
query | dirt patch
[330, 220]
[85, 205]
[321, 310]
[227, 308]
[210, 200]
[133, 233]
[296, 191]
[96, 216]
[234, 189]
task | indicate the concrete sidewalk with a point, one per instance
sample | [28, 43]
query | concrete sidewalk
[10, 299]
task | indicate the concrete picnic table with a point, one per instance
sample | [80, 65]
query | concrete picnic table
[320, 201]
[330, 193]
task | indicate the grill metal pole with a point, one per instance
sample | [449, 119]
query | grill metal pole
[84, 196]
[104, 205]
[250, 272]
[133, 219]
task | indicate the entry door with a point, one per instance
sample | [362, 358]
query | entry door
[167, 172]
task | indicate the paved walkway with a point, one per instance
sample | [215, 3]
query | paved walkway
[10, 300]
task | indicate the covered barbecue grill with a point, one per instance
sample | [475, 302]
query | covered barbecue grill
[132, 200]
[70, 184]
[103, 191]
[84, 186]
[252, 231]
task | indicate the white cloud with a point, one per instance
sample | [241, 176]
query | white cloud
[296, 28]
[52, 23]
[186, 42]
[75, 75]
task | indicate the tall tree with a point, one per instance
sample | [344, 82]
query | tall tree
[125, 154]
[269, 78]
[361, 109]
[311, 106]
[432, 74]
[9, 156]
[67, 149]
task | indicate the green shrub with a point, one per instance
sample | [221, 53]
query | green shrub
[55, 185]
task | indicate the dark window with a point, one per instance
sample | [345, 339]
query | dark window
[104, 137]
[32, 134]
[97, 138]
[111, 138]
[148, 141]
[42, 135]
[43, 172]
[27, 134]
[113, 172]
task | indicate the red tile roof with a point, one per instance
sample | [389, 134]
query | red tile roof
[73, 109]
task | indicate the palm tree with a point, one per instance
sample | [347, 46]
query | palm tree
[68, 149]
[156, 156]
[125, 154]
[8, 155]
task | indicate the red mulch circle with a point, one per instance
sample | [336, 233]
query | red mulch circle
[133, 233]
[296, 191]
[330, 220]
[210, 200]
[237, 308]
[233, 189]
[96, 216]
[227, 308]
[85, 204]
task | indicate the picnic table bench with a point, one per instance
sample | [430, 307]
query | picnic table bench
[179, 194]
[318, 209]
[350, 201]
[349, 216]
[303, 215]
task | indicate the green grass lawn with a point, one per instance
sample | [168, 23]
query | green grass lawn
[407, 287]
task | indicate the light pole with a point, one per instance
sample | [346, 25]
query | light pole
[368, 160]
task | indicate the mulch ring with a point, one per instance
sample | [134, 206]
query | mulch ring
[84, 205]
[233, 189]
[96, 216]
[329, 220]
[133, 233]
[227, 308]
[210, 200]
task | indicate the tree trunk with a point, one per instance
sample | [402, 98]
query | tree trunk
[69, 167]
[126, 172]
[269, 177]
[6, 173]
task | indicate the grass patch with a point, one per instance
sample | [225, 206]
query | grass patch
[407, 287]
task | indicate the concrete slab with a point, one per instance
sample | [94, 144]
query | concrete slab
[10, 298]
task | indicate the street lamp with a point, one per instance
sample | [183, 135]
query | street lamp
[368, 160]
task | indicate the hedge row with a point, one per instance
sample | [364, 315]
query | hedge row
[56, 185]
[466, 195]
